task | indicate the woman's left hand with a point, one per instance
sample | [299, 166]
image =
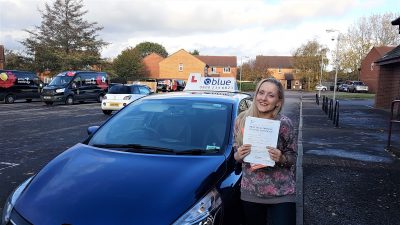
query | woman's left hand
[275, 154]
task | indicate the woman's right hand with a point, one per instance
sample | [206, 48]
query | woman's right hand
[242, 152]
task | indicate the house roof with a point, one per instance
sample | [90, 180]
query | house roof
[275, 61]
[392, 56]
[218, 60]
[396, 22]
[382, 50]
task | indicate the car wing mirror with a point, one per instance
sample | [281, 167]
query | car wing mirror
[91, 130]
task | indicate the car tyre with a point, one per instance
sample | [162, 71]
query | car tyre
[100, 98]
[10, 99]
[107, 112]
[323, 89]
[69, 100]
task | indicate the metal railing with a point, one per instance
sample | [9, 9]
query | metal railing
[393, 119]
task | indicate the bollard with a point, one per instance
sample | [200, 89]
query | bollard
[336, 114]
[330, 109]
[317, 99]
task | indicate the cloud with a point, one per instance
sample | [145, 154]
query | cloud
[214, 27]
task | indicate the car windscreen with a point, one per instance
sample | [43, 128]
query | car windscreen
[359, 83]
[60, 80]
[175, 125]
[121, 89]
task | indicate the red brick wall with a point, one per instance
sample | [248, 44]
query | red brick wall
[370, 75]
[388, 86]
[151, 65]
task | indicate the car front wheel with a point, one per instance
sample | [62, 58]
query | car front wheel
[69, 100]
[107, 112]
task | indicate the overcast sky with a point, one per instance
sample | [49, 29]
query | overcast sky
[214, 27]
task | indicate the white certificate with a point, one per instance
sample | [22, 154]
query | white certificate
[260, 133]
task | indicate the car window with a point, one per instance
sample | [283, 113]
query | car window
[119, 89]
[174, 124]
[134, 90]
[143, 90]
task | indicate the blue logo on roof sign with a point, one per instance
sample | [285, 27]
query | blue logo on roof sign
[198, 82]
[217, 81]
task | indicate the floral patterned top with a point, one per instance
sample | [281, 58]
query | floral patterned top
[271, 185]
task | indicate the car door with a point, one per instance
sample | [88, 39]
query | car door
[87, 90]
[76, 87]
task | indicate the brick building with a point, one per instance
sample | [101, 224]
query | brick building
[389, 76]
[282, 69]
[151, 65]
[369, 70]
[180, 64]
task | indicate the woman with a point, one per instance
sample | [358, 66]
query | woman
[268, 193]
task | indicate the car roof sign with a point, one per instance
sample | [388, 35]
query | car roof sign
[196, 82]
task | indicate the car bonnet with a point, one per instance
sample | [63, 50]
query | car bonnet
[87, 185]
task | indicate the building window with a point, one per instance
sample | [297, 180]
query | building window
[372, 66]
[213, 69]
[180, 67]
[227, 69]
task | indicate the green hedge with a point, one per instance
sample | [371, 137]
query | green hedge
[247, 86]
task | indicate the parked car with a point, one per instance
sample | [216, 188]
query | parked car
[320, 87]
[356, 86]
[181, 85]
[343, 87]
[16, 84]
[76, 86]
[164, 85]
[120, 95]
[163, 159]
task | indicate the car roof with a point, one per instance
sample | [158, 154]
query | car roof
[23, 71]
[228, 97]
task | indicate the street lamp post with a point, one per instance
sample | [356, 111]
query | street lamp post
[241, 69]
[336, 59]
[320, 77]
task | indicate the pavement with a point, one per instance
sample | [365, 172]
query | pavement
[348, 176]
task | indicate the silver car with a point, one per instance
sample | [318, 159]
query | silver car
[357, 86]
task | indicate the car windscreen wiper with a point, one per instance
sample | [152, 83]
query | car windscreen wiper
[133, 147]
[196, 151]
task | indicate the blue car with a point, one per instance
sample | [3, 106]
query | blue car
[163, 159]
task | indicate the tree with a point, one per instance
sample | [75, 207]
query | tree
[129, 64]
[254, 70]
[195, 52]
[146, 48]
[17, 61]
[64, 40]
[367, 32]
[308, 60]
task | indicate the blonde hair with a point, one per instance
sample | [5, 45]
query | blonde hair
[253, 110]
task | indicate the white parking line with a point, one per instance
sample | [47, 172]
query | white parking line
[8, 165]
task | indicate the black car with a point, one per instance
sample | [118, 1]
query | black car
[15, 84]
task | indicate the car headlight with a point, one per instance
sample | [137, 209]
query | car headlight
[127, 97]
[12, 199]
[61, 90]
[204, 212]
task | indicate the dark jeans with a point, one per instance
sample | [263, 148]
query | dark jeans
[273, 214]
